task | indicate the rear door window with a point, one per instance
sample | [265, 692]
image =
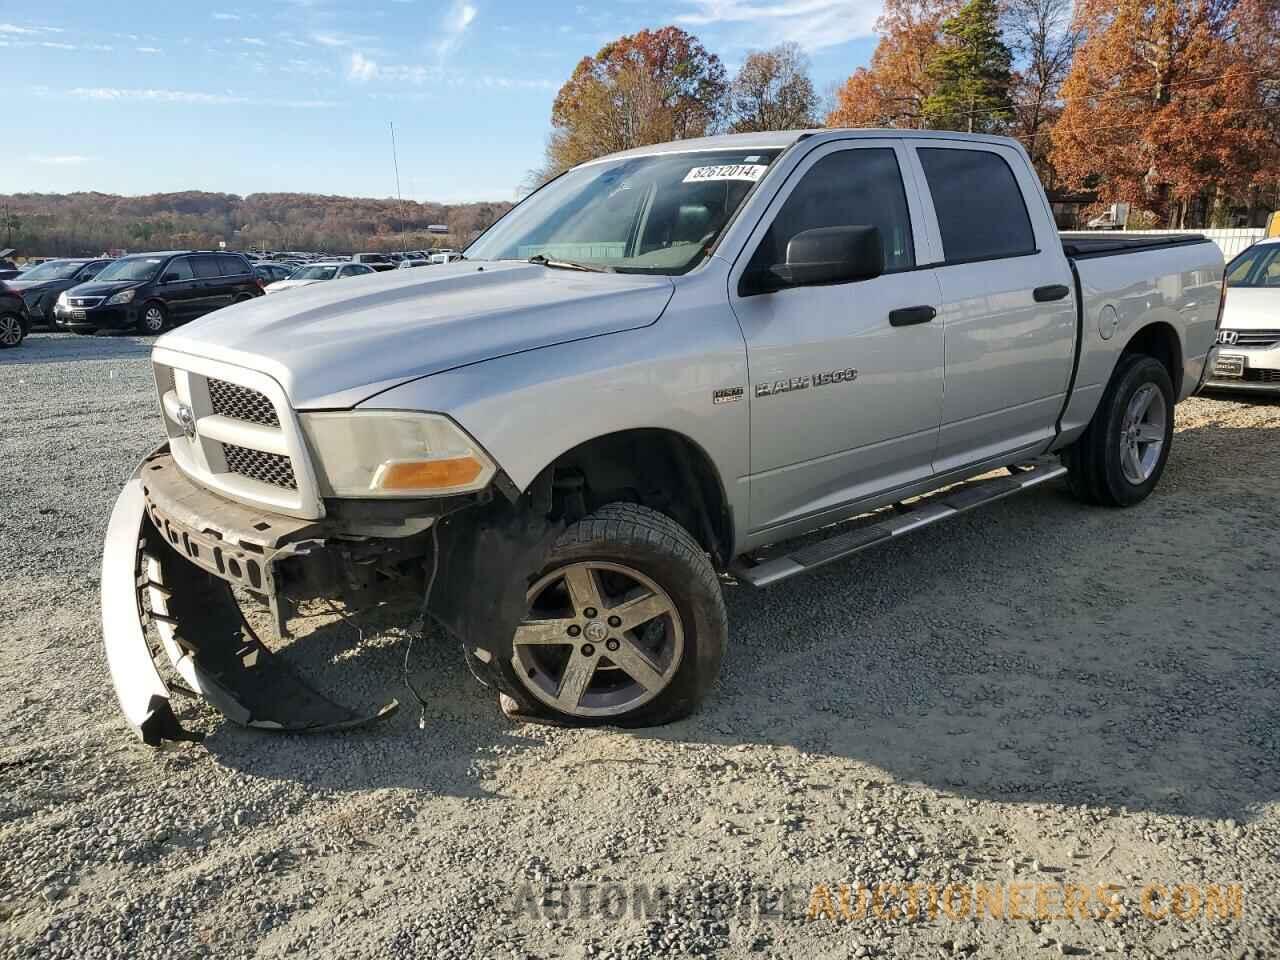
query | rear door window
[206, 267]
[980, 209]
[231, 266]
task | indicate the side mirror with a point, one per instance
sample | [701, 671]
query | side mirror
[832, 255]
[169, 278]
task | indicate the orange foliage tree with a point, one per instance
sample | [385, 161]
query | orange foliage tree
[891, 91]
[648, 87]
[1170, 105]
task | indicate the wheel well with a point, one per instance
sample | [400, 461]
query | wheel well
[1160, 340]
[658, 468]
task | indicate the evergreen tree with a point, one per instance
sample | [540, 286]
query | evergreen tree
[971, 72]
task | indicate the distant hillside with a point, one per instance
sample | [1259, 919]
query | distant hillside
[42, 224]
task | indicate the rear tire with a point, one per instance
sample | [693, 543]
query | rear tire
[1120, 458]
[626, 625]
[12, 332]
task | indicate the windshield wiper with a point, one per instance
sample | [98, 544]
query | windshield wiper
[546, 261]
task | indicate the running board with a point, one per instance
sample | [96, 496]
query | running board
[924, 512]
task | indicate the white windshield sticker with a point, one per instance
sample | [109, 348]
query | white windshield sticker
[728, 171]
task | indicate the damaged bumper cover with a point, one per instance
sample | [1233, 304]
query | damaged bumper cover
[183, 549]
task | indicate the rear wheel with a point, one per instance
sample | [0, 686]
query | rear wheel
[12, 331]
[625, 625]
[153, 318]
[1119, 459]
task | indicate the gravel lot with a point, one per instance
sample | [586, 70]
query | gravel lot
[1039, 694]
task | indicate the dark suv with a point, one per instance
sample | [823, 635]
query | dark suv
[152, 291]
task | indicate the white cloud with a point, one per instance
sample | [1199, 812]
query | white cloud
[361, 69]
[226, 16]
[64, 160]
[149, 50]
[254, 41]
[813, 24]
[453, 25]
[195, 97]
[329, 39]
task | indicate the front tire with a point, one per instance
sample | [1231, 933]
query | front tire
[12, 332]
[154, 318]
[1119, 459]
[625, 625]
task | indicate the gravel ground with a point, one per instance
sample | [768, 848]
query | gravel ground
[1039, 695]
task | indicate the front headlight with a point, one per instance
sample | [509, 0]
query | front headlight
[62, 299]
[124, 296]
[392, 453]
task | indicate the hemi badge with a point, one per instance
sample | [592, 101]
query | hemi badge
[727, 395]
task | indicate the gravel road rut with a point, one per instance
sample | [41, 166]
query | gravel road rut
[1043, 700]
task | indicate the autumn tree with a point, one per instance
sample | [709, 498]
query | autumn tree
[892, 90]
[772, 91]
[648, 87]
[1043, 38]
[1170, 105]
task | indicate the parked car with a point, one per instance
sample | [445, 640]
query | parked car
[152, 291]
[445, 256]
[15, 321]
[1249, 340]
[41, 285]
[408, 263]
[379, 261]
[270, 273]
[318, 273]
[8, 269]
[664, 366]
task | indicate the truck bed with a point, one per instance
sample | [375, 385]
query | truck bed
[1081, 246]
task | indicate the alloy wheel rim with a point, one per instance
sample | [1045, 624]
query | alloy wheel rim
[600, 639]
[10, 331]
[153, 319]
[1142, 434]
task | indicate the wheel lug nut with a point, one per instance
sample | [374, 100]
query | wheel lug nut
[612, 645]
[574, 630]
[588, 650]
[615, 621]
[590, 613]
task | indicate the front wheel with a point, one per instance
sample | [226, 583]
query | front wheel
[1118, 460]
[153, 319]
[12, 331]
[625, 625]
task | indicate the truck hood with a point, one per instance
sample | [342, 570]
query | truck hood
[1252, 308]
[332, 345]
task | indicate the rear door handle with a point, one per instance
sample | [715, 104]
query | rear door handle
[906, 316]
[1054, 291]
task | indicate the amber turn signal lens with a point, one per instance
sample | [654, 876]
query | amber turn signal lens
[429, 474]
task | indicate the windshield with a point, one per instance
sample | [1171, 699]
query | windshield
[658, 214]
[135, 268]
[53, 270]
[1258, 266]
[313, 273]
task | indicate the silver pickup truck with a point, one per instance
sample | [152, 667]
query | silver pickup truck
[641, 382]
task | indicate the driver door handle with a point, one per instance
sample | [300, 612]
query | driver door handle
[907, 316]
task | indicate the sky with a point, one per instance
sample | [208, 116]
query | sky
[297, 95]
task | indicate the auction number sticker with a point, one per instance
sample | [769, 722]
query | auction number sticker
[727, 171]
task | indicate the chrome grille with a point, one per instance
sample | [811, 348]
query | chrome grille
[259, 465]
[1254, 338]
[242, 403]
[85, 301]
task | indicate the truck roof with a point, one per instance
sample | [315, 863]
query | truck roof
[781, 139]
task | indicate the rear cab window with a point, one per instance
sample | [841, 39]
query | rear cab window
[206, 267]
[231, 265]
[981, 212]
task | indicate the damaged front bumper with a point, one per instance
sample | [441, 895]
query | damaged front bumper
[182, 549]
